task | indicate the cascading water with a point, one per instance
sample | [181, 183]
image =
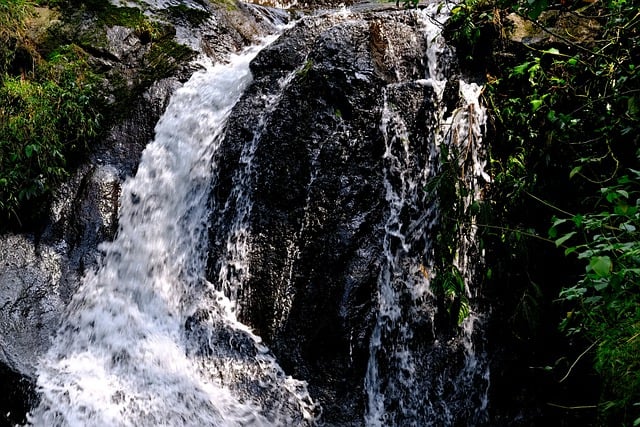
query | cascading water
[146, 340]
[232, 265]
[419, 375]
[301, 197]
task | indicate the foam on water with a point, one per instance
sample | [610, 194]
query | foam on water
[131, 350]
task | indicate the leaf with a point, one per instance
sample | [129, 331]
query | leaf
[536, 104]
[464, 311]
[601, 265]
[578, 220]
[552, 51]
[558, 221]
[574, 171]
[627, 227]
[601, 285]
[564, 238]
[623, 193]
[611, 196]
[570, 250]
[29, 150]
[520, 69]
[632, 270]
[632, 107]
[537, 6]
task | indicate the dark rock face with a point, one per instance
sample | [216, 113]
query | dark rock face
[17, 395]
[314, 177]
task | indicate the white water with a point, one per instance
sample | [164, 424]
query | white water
[146, 339]
[406, 385]
[233, 264]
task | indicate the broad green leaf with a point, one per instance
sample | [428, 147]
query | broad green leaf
[612, 196]
[570, 250]
[558, 221]
[627, 227]
[578, 220]
[564, 238]
[29, 150]
[536, 104]
[520, 69]
[633, 107]
[601, 285]
[536, 8]
[601, 265]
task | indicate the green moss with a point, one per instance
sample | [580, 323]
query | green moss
[54, 104]
[227, 4]
[195, 17]
[164, 58]
[304, 70]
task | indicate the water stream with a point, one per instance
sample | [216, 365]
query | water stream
[418, 375]
[146, 340]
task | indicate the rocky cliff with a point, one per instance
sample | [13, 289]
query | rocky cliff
[299, 228]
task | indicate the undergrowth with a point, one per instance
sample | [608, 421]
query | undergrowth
[565, 152]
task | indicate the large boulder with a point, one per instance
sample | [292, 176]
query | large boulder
[300, 201]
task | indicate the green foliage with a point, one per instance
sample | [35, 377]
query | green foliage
[449, 285]
[466, 19]
[449, 189]
[52, 100]
[163, 59]
[43, 120]
[566, 124]
[606, 300]
[13, 28]
[304, 70]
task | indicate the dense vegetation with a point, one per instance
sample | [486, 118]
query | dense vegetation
[48, 108]
[564, 158]
[56, 96]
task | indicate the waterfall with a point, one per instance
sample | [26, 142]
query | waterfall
[147, 341]
[292, 196]
[419, 375]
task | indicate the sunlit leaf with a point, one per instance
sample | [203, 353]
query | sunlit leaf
[536, 104]
[601, 265]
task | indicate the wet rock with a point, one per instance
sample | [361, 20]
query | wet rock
[553, 27]
[122, 42]
[18, 393]
[315, 180]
